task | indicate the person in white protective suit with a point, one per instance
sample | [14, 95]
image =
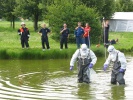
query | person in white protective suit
[119, 65]
[86, 60]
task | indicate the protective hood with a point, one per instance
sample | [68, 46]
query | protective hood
[112, 52]
[111, 49]
[84, 51]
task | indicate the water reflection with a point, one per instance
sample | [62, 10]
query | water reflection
[117, 92]
[83, 92]
[38, 79]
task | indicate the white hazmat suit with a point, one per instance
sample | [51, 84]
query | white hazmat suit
[86, 58]
[119, 67]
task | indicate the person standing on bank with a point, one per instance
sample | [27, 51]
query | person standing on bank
[106, 32]
[86, 34]
[64, 36]
[44, 36]
[119, 65]
[79, 31]
[86, 60]
[25, 34]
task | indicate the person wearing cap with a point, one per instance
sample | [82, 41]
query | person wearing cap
[86, 60]
[64, 36]
[25, 34]
[44, 36]
[79, 31]
[119, 65]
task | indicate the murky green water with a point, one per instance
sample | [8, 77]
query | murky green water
[51, 79]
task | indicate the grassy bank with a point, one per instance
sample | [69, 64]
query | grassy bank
[10, 47]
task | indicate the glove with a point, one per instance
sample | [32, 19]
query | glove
[71, 68]
[28, 35]
[121, 70]
[105, 67]
[90, 65]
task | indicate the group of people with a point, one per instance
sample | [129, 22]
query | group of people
[87, 59]
[81, 34]
[25, 34]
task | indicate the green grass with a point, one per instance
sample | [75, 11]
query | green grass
[10, 47]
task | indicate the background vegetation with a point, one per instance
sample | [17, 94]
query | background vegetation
[59, 11]
[55, 13]
[10, 47]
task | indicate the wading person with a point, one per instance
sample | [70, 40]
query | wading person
[25, 34]
[79, 31]
[119, 65]
[64, 36]
[86, 34]
[44, 36]
[86, 60]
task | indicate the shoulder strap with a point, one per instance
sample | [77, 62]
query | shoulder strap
[117, 57]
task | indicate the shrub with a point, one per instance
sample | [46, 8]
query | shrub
[70, 13]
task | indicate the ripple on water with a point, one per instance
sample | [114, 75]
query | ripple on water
[67, 88]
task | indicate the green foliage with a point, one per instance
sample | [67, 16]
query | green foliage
[96, 4]
[118, 7]
[108, 9]
[6, 10]
[105, 8]
[125, 5]
[3, 54]
[66, 12]
[29, 9]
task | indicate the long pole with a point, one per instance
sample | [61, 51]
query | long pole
[89, 41]
[104, 36]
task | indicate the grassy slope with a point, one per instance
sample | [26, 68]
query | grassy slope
[10, 44]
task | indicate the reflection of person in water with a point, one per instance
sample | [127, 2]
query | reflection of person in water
[84, 92]
[118, 92]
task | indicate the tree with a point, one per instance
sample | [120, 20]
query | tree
[118, 7]
[96, 4]
[108, 9]
[105, 8]
[29, 9]
[6, 10]
[126, 5]
[70, 12]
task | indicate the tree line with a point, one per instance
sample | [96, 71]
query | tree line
[58, 12]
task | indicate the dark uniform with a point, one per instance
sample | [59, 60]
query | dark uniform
[44, 37]
[106, 34]
[83, 71]
[117, 76]
[24, 33]
[63, 38]
[79, 36]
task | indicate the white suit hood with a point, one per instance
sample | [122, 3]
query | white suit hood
[83, 53]
[121, 58]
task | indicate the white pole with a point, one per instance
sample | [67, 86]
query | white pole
[89, 40]
[104, 35]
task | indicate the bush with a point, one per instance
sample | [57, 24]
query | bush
[69, 12]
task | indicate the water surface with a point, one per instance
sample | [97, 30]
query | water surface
[51, 79]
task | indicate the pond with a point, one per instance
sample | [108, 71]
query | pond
[51, 79]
